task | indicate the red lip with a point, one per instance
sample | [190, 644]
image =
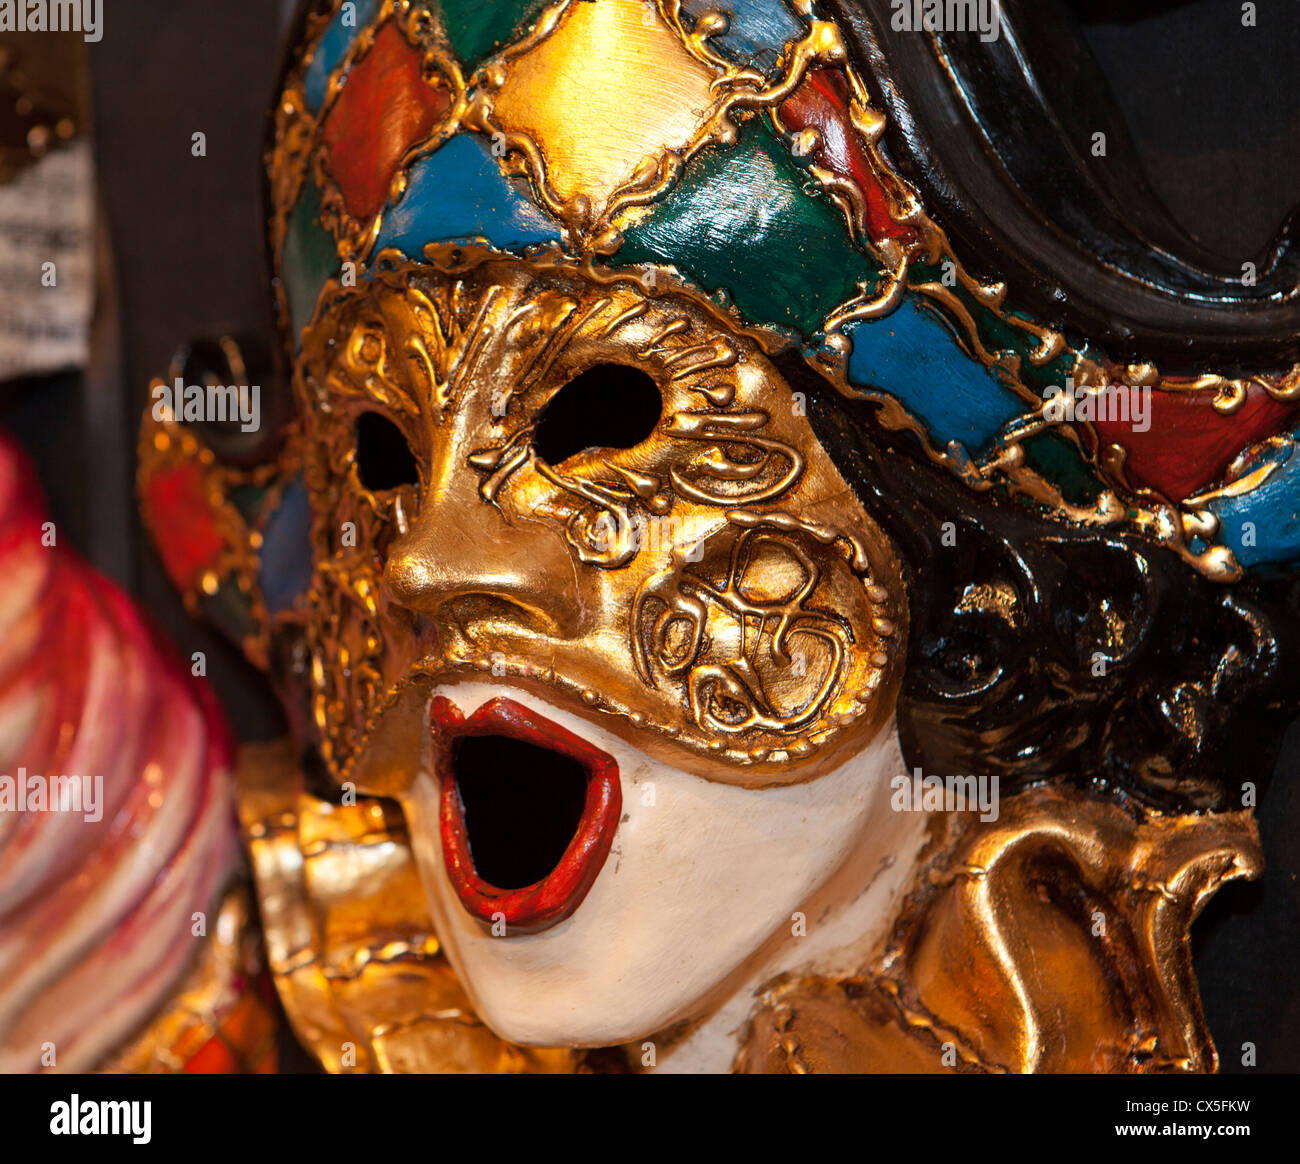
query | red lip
[549, 901]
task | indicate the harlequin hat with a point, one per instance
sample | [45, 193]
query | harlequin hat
[787, 160]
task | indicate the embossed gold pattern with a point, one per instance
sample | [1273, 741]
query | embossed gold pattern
[794, 601]
[1052, 940]
[358, 968]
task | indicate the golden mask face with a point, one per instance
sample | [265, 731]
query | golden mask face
[610, 497]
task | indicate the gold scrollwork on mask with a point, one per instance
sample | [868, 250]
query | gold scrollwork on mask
[752, 649]
[786, 620]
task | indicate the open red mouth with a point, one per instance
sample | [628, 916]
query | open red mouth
[528, 812]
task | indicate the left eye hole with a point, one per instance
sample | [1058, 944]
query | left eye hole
[610, 406]
[383, 457]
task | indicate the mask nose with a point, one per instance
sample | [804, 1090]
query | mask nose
[461, 549]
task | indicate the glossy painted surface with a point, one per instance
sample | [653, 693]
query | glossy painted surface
[1189, 445]
[459, 194]
[285, 559]
[386, 107]
[310, 258]
[178, 501]
[741, 223]
[821, 104]
[914, 357]
[757, 31]
[333, 47]
[590, 145]
[1264, 523]
[475, 29]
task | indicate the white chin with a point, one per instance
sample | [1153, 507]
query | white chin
[701, 878]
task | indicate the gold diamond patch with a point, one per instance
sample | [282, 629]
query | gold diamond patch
[610, 89]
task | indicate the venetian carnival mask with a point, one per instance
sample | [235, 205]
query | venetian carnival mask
[737, 589]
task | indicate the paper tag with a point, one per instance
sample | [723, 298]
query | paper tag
[47, 267]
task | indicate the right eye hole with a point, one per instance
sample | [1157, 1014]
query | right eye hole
[610, 406]
[383, 456]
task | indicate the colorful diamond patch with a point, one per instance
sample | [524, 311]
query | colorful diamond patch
[385, 109]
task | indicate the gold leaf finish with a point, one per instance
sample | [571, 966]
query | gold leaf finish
[705, 589]
[358, 968]
[590, 144]
[1052, 940]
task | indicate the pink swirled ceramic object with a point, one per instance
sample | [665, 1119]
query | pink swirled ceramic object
[96, 906]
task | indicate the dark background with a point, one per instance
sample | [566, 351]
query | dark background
[1215, 114]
